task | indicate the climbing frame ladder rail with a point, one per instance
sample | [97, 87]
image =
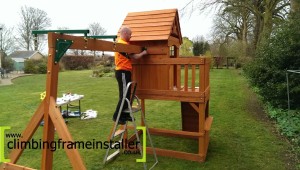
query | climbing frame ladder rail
[147, 131]
[130, 110]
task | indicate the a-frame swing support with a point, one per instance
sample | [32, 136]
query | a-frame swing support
[58, 44]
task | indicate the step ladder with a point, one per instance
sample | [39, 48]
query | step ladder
[120, 133]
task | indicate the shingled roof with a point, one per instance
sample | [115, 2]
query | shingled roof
[154, 25]
[22, 54]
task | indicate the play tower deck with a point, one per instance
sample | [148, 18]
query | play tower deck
[164, 75]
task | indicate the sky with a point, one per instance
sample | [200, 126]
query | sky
[77, 14]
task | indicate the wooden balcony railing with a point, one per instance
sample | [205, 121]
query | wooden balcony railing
[187, 80]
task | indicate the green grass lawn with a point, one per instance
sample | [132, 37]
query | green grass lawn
[238, 140]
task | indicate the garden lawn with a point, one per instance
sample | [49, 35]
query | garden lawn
[238, 138]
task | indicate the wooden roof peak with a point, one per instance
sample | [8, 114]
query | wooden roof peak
[154, 25]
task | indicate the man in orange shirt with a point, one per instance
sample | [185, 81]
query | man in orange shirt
[123, 72]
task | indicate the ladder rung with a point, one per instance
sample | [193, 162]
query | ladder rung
[134, 110]
[113, 145]
[119, 132]
[113, 155]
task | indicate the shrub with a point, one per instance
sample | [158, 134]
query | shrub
[77, 62]
[8, 64]
[103, 71]
[268, 70]
[33, 66]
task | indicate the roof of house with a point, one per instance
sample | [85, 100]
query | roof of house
[23, 54]
[18, 60]
[153, 25]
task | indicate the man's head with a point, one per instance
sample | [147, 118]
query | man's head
[125, 33]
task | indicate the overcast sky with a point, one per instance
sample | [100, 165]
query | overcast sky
[78, 14]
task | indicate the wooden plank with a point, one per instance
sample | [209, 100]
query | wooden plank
[173, 41]
[170, 93]
[207, 68]
[166, 23]
[159, 19]
[208, 123]
[48, 135]
[152, 28]
[64, 134]
[175, 133]
[143, 112]
[93, 44]
[51, 91]
[172, 98]
[164, 11]
[186, 77]
[195, 107]
[171, 77]
[156, 51]
[28, 132]
[201, 141]
[170, 61]
[202, 77]
[11, 166]
[193, 77]
[150, 37]
[146, 17]
[152, 33]
[177, 154]
[178, 76]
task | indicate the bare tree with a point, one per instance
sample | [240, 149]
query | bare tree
[32, 19]
[265, 12]
[96, 29]
[7, 40]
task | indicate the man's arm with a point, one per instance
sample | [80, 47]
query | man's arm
[139, 55]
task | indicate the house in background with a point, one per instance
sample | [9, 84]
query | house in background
[19, 58]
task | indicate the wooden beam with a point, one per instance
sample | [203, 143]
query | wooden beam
[168, 61]
[28, 132]
[177, 154]
[208, 123]
[172, 98]
[202, 78]
[195, 107]
[193, 76]
[186, 77]
[51, 91]
[84, 43]
[178, 77]
[64, 134]
[171, 93]
[175, 133]
[173, 41]
[11, 166]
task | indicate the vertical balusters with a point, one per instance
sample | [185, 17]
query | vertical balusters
[186, 77]
[178, 84]
[193, 77]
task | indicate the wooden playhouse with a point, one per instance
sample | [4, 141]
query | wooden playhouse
[164, 75]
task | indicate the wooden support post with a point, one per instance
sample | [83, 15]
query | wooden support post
[51, 91]
[202, 77]
[193, 76]
[64, 134]
[186, 77]
[201, 139]
[11, 166]
[143, 112]
[178, 82]
[28, 132]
